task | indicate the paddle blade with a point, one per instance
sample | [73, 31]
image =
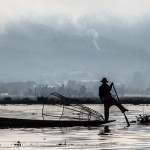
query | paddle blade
[128, 124]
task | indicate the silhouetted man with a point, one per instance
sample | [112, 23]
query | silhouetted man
[107, 99]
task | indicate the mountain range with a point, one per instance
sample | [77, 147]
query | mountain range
[40, 53]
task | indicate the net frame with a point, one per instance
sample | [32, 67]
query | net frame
[68, 104]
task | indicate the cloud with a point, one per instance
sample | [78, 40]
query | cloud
[125, 10]
[92, 33]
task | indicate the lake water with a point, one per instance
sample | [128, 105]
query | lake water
[114, 135]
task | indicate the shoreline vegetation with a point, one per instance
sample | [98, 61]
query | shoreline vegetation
[81, 100]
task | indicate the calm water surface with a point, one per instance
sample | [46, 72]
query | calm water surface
[110, 136]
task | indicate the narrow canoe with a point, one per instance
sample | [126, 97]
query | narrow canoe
[28, 123]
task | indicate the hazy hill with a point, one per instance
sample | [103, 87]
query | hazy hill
[37, 52]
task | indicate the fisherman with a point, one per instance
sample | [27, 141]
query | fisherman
[107, 99]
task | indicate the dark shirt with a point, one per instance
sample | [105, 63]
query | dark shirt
[104, 90]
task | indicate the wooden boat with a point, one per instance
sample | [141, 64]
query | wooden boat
[79, 115]
[28, 123]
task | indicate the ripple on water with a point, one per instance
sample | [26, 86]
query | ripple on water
[110, 136]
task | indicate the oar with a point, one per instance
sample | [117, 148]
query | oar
[128, 124]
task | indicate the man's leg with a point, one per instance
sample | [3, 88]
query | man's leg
[122, 108]
[106, 112]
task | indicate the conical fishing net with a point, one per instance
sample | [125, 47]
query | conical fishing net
[65, 108]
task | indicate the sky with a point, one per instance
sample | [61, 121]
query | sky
[127, 11]
[122, 16]
[36, 27]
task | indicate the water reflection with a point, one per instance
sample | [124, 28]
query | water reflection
[105, 131]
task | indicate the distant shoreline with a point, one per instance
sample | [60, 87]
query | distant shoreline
[82, 100]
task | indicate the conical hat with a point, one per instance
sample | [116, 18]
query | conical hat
[104, 80]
